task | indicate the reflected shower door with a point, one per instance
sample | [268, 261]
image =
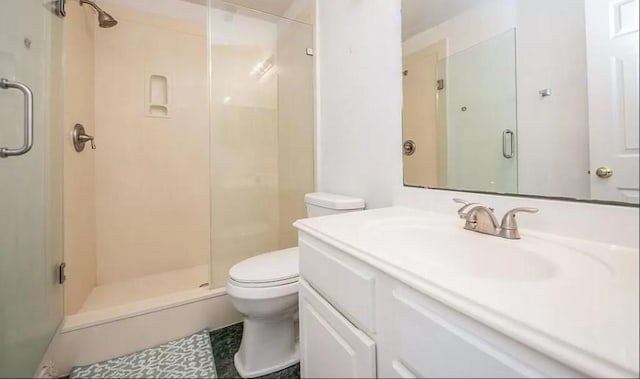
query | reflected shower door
[30, 186]
[480, 113]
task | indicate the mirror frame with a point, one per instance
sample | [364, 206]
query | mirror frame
[538, 197]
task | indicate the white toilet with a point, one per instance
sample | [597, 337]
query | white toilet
[265, 290]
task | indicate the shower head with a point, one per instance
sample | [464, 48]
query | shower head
[105, 20]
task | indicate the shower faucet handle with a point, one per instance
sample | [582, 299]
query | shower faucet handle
[80, 138]
[87, 138]
[93, 144]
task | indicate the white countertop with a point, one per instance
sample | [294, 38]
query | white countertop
[584, 313]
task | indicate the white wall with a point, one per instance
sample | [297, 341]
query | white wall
[553, 150]
[359, 103]
[553, 131]
[470, 28]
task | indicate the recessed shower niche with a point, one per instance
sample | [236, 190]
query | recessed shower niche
[157, 95]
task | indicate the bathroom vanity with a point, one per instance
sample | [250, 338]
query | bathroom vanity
[401, 292]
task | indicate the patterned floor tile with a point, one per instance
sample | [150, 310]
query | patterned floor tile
[226, 342]
[185, 358]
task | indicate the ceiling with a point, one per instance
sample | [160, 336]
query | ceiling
[274, 7]
[298, 10]
[420, 15]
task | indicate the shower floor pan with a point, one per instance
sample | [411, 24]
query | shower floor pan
[145, 287]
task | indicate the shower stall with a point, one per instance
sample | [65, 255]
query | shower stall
[202, 118]
[196, 152]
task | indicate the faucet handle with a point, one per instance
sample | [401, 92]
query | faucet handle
[509, 219]
[461, 201]
[465, 205]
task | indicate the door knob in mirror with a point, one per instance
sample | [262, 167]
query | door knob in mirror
[409, 147]
[604, 172]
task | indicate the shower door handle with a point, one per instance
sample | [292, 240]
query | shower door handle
[508, 144]
[6, 152]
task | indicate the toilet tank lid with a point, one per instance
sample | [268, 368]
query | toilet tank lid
[333, 201]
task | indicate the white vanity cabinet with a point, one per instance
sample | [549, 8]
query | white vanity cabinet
[419, 337]
[356, 321]
[333, 341]
[330, 346]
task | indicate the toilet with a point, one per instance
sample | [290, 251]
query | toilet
[264, 289]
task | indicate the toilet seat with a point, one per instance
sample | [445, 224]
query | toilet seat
[243, 292]
[275, 283]
[277, 268]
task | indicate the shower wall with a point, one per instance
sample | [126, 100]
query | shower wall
[296, 165]
[139, 204]
[177, 181]
[244, 140]
[262, 133]
[152, 171]
[79, 189]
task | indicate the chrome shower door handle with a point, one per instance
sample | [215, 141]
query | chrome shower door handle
[6, 152]
[508, 144]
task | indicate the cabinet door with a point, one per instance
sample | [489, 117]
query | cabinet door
[330, 346]
[419, 337]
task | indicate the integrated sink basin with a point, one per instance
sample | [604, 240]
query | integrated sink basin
[447, 246]
[572, 299]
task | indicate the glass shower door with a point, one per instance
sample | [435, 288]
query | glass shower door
[30, 184]
[262, 132]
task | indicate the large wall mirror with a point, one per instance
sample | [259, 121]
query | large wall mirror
[524, 97]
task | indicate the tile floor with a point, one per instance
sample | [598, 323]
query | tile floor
[226, 343]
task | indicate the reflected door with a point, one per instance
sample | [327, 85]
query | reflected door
[480, 117]
[30, 186]
[424, 155]
[612, 58]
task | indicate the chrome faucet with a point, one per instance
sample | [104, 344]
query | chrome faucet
[481, 219]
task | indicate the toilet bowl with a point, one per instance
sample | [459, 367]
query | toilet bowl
[264, 289]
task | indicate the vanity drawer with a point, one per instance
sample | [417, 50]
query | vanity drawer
[346, 283]
[330, 346]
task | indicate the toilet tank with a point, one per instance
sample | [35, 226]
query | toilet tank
[325, 204]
